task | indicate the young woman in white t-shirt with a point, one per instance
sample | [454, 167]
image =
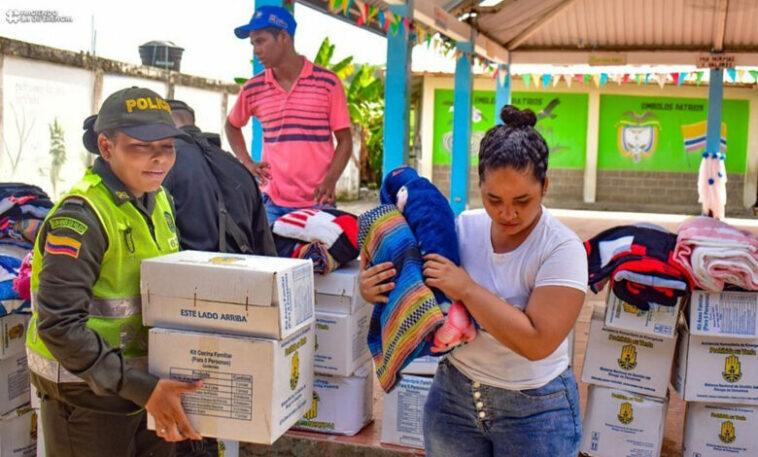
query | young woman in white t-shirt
[523, 276]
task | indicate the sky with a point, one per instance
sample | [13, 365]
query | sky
[205, 31]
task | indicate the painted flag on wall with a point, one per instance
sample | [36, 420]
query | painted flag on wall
[694, 136]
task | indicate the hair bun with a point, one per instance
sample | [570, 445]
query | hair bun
[514, 117]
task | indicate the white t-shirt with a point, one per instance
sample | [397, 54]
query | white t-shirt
[552, 255]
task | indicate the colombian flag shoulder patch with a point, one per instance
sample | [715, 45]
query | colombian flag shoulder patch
[62, 245]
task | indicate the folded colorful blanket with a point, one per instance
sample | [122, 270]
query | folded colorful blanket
[334, 229]
[323, 262]
[716, 253]
[402, 329]
[638, 261]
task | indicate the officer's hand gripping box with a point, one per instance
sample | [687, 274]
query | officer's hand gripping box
[403, 412]
[339, 291]
[618, 423]
[253, 390]
[268, 297]
[625, 360]
[720, 430]
[341, 405]
[341, 346]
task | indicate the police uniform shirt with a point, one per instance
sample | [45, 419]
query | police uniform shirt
[65, 289]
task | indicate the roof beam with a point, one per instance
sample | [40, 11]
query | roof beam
[719, 25]
[434, 16]
[535, 26]
[672, 57]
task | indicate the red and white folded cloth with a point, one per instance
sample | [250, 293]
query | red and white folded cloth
[716, 253]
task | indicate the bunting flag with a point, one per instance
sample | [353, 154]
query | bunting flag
[732, 74]
[536, 78]
[381, 19]
[741, 76]
[603, 78]
[333, 5]
[625, 78]
[527, 79]
[546, 80]
[346, 4]
[556, 80]
[700, 77]
[662, 79]
[494, 75]
[754, 74]
[568, 79]
[682, 77]
[675, 77]
[647, 77]
[638, 78]
[372, 12]
[596, 80]
[585, 79]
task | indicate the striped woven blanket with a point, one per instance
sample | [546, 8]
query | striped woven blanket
[402, 329]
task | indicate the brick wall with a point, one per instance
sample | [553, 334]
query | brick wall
[659, 188]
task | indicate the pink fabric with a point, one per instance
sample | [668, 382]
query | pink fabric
[22, 283]
[711, 185]
[716, 253]
[297, 129]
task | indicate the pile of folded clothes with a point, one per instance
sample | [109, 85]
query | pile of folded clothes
[329, 237]
[23, 208]
[638, 260]
[717, 254]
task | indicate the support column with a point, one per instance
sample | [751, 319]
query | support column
[590, 163]
[715, 100]
[256, 146]
[397, 93]
[502, 89]
[461, 127]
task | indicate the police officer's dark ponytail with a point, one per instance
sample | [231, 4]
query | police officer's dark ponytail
[514, 144]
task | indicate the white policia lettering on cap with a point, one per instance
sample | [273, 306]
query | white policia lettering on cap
[273, 19]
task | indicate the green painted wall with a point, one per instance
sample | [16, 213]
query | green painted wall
[563, 123]
[646, 133]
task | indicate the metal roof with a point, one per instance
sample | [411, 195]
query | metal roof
[622, 25]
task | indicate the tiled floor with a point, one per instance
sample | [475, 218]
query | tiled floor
[585, 224]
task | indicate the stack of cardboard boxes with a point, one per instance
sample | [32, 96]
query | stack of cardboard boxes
[627, 365]
[717, 374]
[18, 420]
[244, 325]
[342, 401]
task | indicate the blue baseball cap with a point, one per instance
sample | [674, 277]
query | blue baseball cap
[268, 16]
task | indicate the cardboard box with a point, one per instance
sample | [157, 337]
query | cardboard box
[341, 346]
[626, 360]
[341, 405]
[339, 291]
[658, 321]
[727, 314]
[403, 412]
[720, 430]
[14, 383]
[715, 369]
[18, 433]
[269, 297]
[425, 366]
[13, 328]
[254, 389]
[40, 436]
[618, 423]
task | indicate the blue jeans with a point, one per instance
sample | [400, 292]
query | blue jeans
[465, 419]
[274, 211]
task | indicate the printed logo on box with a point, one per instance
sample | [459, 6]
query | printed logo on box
[727, 434]
[223, 260]
[313, 412]
[295, 371]
[628, 359]
[732, 369]
[626, 413]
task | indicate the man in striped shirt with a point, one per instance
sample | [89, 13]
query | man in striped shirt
[300, 106]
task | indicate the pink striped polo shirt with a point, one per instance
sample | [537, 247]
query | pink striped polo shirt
[297, 129]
